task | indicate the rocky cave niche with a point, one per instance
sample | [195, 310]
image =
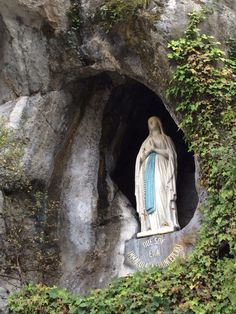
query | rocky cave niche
[97, 168]
[128, 109]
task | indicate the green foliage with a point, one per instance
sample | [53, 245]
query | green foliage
[29, 244]
[76, 23]
[231, 42]
[116, 12]
[204, 86]
[11, 151]
[41, 299]
[74, 15]
[123, 296]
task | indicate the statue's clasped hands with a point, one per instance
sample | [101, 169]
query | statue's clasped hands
[162, 152]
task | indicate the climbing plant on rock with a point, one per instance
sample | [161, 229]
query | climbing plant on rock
[29, 241]
[115, 12]
[204, 85]
[11, 151]
[28, 233]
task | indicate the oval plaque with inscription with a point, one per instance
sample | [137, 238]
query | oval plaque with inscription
[159, 250]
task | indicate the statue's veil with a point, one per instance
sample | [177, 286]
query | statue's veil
[159, 124]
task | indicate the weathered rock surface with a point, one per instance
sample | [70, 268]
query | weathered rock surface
[52, 89]
[42, 120]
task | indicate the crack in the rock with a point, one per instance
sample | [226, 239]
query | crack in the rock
[46, 120]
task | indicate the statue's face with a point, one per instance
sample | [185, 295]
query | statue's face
[153, 124]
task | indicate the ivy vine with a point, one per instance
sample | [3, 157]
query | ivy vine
[11, 151]
[28, 241]
[115, 12]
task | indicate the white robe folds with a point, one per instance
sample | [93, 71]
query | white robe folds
[164, 218]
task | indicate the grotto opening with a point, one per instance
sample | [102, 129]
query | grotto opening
[133, 103]
[95, 177]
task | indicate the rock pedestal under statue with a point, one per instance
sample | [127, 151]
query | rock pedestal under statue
[161, 249]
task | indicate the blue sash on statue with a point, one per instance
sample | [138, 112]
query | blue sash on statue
[149, 183]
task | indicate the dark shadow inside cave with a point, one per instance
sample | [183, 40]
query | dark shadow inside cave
[129, 107]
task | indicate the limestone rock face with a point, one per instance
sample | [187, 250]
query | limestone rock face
[44, 123]
[57, 89]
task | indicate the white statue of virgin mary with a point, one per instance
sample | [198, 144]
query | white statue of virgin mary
[155, 182]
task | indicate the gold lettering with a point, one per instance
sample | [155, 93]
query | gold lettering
[166, 262]
[172, 257]
[136, 260]
[177, 250]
